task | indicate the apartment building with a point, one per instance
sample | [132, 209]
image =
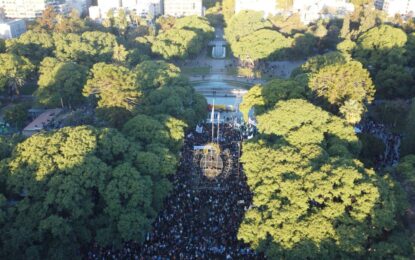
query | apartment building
[268, 7]
[180, 8]
[30, 9]
[393, 7]
[12, 29]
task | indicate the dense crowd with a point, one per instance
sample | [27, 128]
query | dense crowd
[392, 142]
[201, 218]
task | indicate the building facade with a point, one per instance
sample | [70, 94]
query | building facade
[12, 29]
[30, 9]
[268, 7]
[179, 8]
[25, 8]
[312, 10]
[149, 8]
[394, 7]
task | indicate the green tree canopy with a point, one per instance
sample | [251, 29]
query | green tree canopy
[341, 85]
[312, 199]
[184, 39]
[32, 45]
[80, 185]
[87, 48]
[381, 46]
[247, 30]
[60, 83]
[14, 70]
[263, 97]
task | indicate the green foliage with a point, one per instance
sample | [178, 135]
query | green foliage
[312, 199]
[115, 86]
[16, 115]
[395, 81]
[2, 45]
[408, 142]
[7, 145]
[14, 70]
[228, 9]
[287, 24]
[87, 48]
[382, 37]
[372, 148]
[79, 185]
[314, 64]
[60, 83]
[378, 49]
[186, 38]
[33, 45]
[251, 39]
[154, 75]
[347, 87]
[406, 170]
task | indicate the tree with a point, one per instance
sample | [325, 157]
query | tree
[312, 199]
[70, 24]
[228, 9]
[287, 24]
[177, 44]
[156, 74]
[47, 20]
[394, 82]
[88, 48]
[381, 46]
[345, 28]
[408, 142]
[60, 83]
[165, 23]
[16, 115]
[115, 88]
[2, 46]
[247, 30]
[80, 185]
[120, 54]
[14, 70]
[341, 83]
[33, 45]
[260, 45]
[185, 38]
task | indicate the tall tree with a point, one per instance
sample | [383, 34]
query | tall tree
[60, 83]
[347, 84]
[115, 88]
[14, 70]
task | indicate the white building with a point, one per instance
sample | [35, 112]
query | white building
[25, 8]
[149, 8]
[180, 8]
[312, 10]
[31, 9]
[81, 6]
[393, 7]
[106, 5]
[269, 7]
[12, 29]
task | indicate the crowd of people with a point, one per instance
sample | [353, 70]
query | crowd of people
[202, 216]
[392, 142]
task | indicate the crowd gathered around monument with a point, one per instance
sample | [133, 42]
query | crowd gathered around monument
[202, 216]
